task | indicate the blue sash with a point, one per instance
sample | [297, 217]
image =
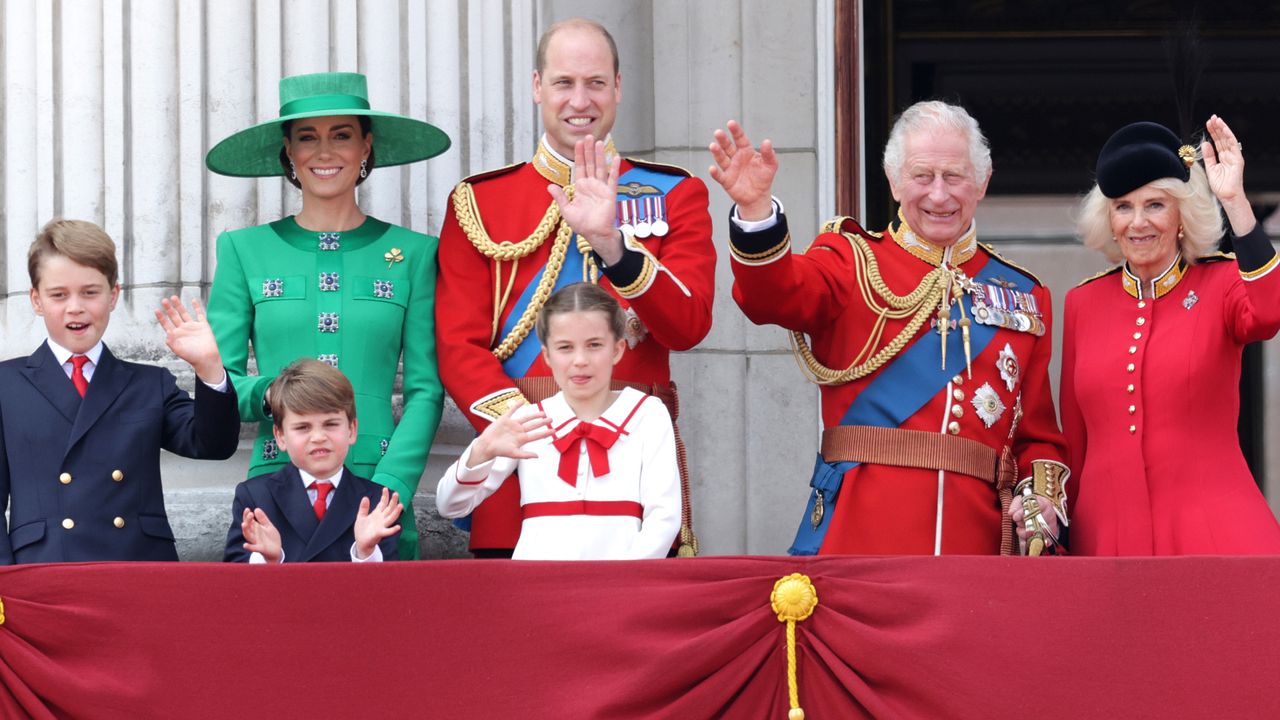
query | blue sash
[527, 352]
[898, 392]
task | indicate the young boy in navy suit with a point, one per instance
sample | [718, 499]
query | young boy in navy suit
[313, 509]
[81, 431]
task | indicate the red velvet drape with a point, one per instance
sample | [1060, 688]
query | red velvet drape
[955, 637]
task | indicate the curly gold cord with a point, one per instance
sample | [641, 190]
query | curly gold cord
[918, 305]
[468, 214]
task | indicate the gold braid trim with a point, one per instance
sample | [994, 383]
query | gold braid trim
[464, 207]
[919, 304]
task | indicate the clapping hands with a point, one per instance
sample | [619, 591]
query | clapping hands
[374, 526]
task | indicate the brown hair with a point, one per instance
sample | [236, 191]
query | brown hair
[308, 386]
[577, 22]
[366, 126]
[80, 241]
[582, 297]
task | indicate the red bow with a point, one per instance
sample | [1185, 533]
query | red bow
[598, 439]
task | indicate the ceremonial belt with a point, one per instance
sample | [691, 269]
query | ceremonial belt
[537, 389]
[910, 448]
[623, 508]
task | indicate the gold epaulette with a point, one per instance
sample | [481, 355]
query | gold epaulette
[1012, 264]
[660, 167]
[841, 223]
[1102, 274]
[493, 173]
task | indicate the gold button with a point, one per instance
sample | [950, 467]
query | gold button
[953, 428]
[1133, 349]
[68, 523]
[1129, 367]
[957, 411]
[1133, 409]
[118, 522]
[1142, 321]
[117, 475]
[1129, 389]
[1137, 336]
[957, 394]
[1133, 429]
[65, 478]
[957, 380]
[1142, 304]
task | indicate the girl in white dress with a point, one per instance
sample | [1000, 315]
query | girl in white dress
[597, 467]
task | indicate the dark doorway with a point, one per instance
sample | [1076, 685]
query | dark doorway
[1050, 80]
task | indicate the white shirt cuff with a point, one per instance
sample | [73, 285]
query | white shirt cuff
[375, 556]
[757, 225]
[220, 387]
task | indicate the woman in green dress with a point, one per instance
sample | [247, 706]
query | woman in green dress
[332, 283]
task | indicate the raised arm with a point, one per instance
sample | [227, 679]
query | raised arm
[745, 173]
[1224, 165]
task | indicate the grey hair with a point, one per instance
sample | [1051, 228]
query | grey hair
[1198, 211]
[933, 115]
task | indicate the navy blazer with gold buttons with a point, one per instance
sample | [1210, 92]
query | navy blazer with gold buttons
[82, 475]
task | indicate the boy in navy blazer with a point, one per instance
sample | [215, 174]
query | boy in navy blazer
[313, 509]
[81, 431]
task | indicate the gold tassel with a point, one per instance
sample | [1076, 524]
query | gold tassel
[793, 599]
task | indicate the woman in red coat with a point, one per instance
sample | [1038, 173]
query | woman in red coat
[1151, 356]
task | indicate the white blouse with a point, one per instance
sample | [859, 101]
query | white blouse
[631, 509]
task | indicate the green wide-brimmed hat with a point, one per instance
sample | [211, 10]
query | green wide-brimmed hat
[255, 152]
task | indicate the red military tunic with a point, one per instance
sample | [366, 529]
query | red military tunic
[667, 291]
[1150, 402]
[889, 509]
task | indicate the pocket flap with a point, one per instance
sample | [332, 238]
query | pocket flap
[156, 526]
[24, 535]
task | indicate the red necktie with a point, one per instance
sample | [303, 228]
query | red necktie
[598, 439]
[77, 374]
[322, 491]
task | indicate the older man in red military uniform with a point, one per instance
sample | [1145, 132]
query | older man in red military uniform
[932, 352]
[512, 236]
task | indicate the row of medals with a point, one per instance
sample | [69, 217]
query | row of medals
[990, 307]
[643, 217]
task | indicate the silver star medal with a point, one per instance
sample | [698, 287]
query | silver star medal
[988, 404]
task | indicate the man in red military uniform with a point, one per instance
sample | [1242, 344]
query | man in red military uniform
[639, 229]
[932, 352]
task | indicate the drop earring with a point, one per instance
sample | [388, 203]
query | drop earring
[293, 172]
[1181, 233]
[364, 168]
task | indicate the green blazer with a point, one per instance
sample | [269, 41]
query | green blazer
[357, 300]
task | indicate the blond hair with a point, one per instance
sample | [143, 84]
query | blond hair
[1198, 211]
